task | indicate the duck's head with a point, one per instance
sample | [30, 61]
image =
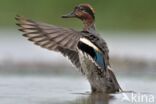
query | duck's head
[83, 12]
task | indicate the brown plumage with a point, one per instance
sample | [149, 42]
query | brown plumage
[93, 63]
[51, 37]
[58, 39]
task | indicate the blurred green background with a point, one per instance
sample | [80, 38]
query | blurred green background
[121, 15]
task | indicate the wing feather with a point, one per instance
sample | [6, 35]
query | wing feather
[51, 37]
[39, 32]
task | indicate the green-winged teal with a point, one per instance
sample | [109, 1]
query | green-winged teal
[85, 49]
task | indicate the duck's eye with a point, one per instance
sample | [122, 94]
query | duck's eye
[76, 7]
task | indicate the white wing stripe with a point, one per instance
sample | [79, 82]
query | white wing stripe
[86, 41]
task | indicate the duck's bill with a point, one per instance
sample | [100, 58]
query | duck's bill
[69, 15]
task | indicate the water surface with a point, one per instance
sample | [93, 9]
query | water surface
[65, 90]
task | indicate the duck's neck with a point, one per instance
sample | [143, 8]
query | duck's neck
[89, 25]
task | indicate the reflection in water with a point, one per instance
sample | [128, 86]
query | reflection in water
[93, 99]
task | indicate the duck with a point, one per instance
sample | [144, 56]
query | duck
[86, 49]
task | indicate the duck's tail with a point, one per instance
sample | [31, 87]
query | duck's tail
[112, 77]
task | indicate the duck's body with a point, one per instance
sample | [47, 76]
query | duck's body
[86, 49]
[93, 65]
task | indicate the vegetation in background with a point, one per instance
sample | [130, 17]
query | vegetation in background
[110, 14]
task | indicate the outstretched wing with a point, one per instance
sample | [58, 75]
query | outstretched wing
[51, 37]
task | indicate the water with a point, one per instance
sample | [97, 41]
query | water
[39, 90]
[65, 90]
